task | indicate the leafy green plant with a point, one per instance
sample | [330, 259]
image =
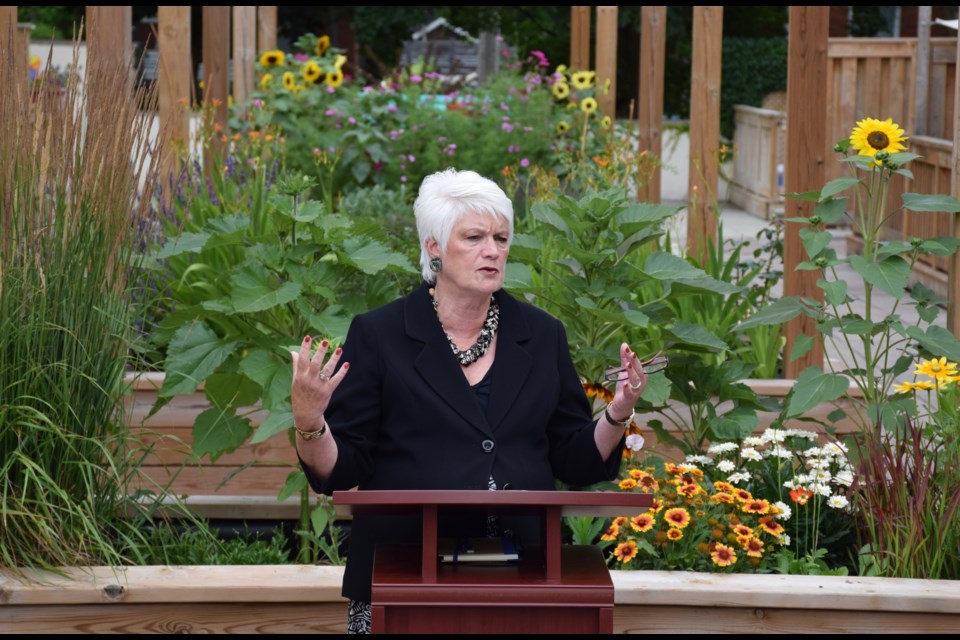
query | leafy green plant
[199, 544]
[249, 269]
[70, 231]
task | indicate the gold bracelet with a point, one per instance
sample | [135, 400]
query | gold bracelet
[311, 435]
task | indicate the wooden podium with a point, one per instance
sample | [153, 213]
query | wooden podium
[554, 588]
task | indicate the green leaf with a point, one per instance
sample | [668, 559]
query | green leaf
[924, 202]
[694, 334]
[811, 196]
[231, 391]
[193, 354]
[256, 289]
[857, 326]
[319, 519]
[666, 266]
[731, 427]
[296, 482]
[938, 341]
[892, 275]
[517, 277]
[893, 248]
[801, 347]
[836, 186]
[184, 243]
[832, 210]
[815, 241]
[371, 257]
[777, 312]
[941, 246]
[216, 432]
[835, 292]
[812, 388]
[308, 211]
[657, 390]
[277, 421]
[273, 375]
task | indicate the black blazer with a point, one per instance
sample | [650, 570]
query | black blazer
[405, 417]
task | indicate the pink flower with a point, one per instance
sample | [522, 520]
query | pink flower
[524, 163]
[330, 112]
[505, 53]
[301, 57]
[403, 178]
[391, 108]
[257, 102]
[352, 120]
[377, 166]
[506, 126]
[416, 79]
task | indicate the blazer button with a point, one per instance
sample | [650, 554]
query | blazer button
[487, 446]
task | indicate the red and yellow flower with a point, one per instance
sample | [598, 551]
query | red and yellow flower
[677, 517]
[674, 534]
[756, 506]
[642, 523]
[723, 556]
[626, 551]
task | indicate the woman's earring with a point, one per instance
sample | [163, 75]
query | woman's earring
[435, 265]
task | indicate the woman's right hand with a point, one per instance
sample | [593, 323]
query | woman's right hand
[314, 383]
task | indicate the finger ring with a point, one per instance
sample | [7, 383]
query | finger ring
[324, 377]
[636, 387]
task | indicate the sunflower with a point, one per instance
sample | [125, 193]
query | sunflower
[937, 368]
[674, 534]
[606, 122]
[562, 127]
[723, 556]
[274, 58]
[340, 61]
[560, 90]
[871, 135]
[582, 80]
[289, 81]
[588, 105]
[335, 79]
[677, 517]
[626, 551]
[265, 80]
[323, 43]
[642, 523]
[311, 71]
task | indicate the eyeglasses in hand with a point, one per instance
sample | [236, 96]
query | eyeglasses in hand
[656, 364]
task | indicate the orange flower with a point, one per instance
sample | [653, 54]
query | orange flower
[800, 495]
[657, 505]
[771, 526]
[611, 534]
[636, 474]
[690, 489]
[677, 517]
[743, 530]
[723, 556]
[756, 506]
[674, 534]
[619, 521]
[597, 391]
[724, 486]
[648, 484]
[627, 483]
[722, 498]
[626, 551]
[642, 522]
[754, 547]
[742, 495]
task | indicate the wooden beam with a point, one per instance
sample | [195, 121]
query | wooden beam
[653, 41]
[216, 65]
[606, 57]
[14, 60]
[921, 73]
[244, 51]
[266, 28]
[174, 83]
[805, 169]
[579, 38]
[109, 37]
[704, 128]
[953, 274]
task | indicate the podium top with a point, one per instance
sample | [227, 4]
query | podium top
[570, 503]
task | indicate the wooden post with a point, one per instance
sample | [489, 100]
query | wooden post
[805, 169]
[579, 38]
[266, 29]
[704, 128]
[953, 276]
[216, 65]
[653, 41]
[174, 84]
[921, 71]
[14, 60]
[244, 51]
[607, 60]
[109, 36]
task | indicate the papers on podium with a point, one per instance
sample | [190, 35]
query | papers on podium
[489, 550]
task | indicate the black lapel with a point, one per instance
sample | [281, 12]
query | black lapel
[512, 364]
[436, 363]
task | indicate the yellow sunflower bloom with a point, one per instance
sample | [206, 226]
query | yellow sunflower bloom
[606, 122]
[561, 70]
[311, 71]
[265, 80]
[323, 43]
[274, 58]
[588, 105]
[562, 127]
[582, 80]
[289, 81]
[560, 90]
[871, 135]
[340, 61]
[335, 79]
[937, 368]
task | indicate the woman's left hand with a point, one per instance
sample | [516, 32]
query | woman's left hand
[630, 386]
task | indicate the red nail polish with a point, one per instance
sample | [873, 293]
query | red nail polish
[339, 351]
[306, 339]
[324, 344]
[346, 365]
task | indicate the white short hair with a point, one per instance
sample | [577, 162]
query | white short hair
[445, 197]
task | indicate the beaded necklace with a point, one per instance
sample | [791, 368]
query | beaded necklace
[475, 351]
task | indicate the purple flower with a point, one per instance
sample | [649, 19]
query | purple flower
[403, 178]
[524, 163]
[411, 158]
[450, 149]
[257, 102]
[352, 120]
[391, 108]
[504, 107]
[415, 79]
[330, 112]
[301, 57]
[514, 148]
[506, 126]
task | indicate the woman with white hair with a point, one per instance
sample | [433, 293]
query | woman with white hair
[458, 385]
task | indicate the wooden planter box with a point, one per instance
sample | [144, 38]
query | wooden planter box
[306, 599]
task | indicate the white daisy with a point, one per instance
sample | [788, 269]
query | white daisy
[838, 502]
[722, 447]
[749, 453]
[844, 477]
[822, 490]
[634, 442]
[785, 511]
[738, 477]
[754, 441]
[726, 466]
[702, 460]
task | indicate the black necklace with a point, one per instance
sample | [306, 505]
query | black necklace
[474, 352]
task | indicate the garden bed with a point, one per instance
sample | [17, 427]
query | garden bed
[306, 599]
